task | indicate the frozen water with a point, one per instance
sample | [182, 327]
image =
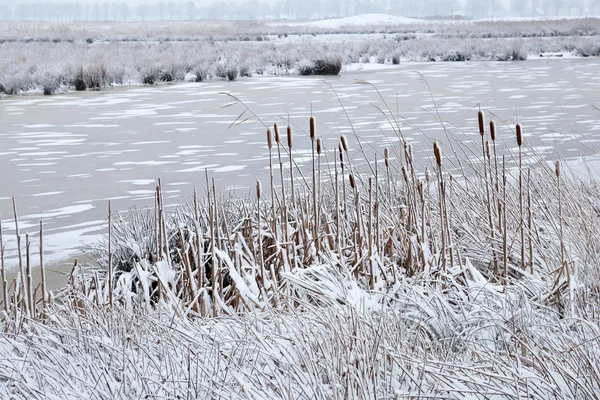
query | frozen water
[63, 157]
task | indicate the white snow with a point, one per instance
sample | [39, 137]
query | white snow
[357, 20]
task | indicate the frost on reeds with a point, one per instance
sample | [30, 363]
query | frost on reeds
[404, 283]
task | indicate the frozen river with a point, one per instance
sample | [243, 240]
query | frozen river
[63, 157]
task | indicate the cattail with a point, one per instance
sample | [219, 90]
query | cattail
[344, 142]
[319, 146]
[276, 130]
[557, 169]
[258, 189]
[312, 128]
[341, 155]
[493, 130]
[352, 182]
[438, 154]
[289, 136]
[519, 135]
[386, 157]
[427, 176]
[487, 149]
[269, 139]
[481, 123]
[404, 174]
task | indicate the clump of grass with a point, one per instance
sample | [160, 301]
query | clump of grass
[322, 66]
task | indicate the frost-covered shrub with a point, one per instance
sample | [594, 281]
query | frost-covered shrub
[201, 74]
[79, 81]
[245, 71]
[588, 49]
[50, 84]
[226, 71]
[331, 65]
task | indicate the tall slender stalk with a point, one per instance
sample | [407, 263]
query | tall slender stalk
[3, 270]
[487, 191]
[43, 268]
[109, 281]
[521, 220]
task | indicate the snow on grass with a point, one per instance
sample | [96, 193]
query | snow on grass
[452, 276]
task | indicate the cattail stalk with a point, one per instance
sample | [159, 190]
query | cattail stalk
[487, 190]
[370, 235]
[19, 253]
[529, 221]
[314, 185]
[42, 268]
[260, 246]
[522, 220]
[497, 181]
[3, 270]
[109, 281]
[438, 159]
[505, 223]
[337, 206]
[290, 141]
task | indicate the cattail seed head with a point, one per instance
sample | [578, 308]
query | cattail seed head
[557, 168]
[404, 174]
[344, 142]
[289, 136]
[312, 128]
[481, 123]
[258, 189]
[276, 130]
[386, 157]
[269, 139]
[319, 146]
[438, 154]
[493, 130]
[352, 182]
[519, 135]
[427, 176]
[487, 149]
[341, 154]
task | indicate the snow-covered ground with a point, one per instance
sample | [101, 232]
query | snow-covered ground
[364, 20]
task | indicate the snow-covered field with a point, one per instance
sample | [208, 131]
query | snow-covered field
[397, 279]
[50, 58]
[367, 235]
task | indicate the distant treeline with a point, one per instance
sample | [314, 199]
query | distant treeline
[290, 9]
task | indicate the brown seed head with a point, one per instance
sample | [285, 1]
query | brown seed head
[289, 136]
[487, 149]
[312, 128]
[319, 146]
[258, 189]
[386, 157]
[557, 168]
[341, 154]
[404, 174]
[427, 176]
[344, 142]
[438, 154]
[493, 130]
[269, 139]
[352, 182]
[519, 135]
[276, 129]
[481, 123]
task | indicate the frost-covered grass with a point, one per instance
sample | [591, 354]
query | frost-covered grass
[469, 272]
[49, 58]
